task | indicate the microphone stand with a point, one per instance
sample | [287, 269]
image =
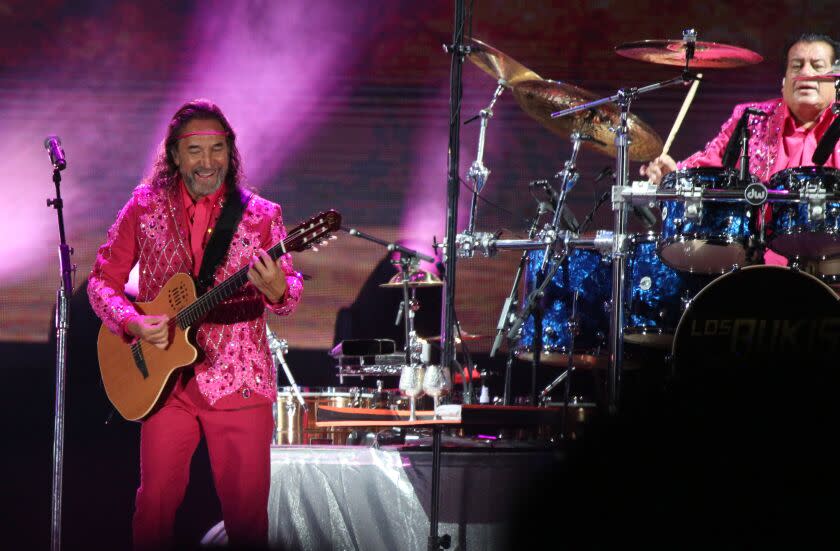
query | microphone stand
[62, 328]
[506, 317]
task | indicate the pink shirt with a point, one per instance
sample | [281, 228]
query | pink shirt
[199, 216]
[798, 144]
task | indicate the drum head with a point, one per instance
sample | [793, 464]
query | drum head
[759, 317]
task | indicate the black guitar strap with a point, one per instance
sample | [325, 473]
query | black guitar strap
[219, 243]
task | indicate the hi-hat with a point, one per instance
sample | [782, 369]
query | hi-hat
[541, 98]
[499, 65]
[416, 278]
[707, 55]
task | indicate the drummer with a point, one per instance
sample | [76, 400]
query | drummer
[796, 122]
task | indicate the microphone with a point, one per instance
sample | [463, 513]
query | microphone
[730, 154]
[53, 145]
[690, 41]
[644, 214]
[568, 219]
[827, 143]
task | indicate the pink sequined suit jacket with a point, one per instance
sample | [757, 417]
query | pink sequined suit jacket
[151, 230]
[765, 140]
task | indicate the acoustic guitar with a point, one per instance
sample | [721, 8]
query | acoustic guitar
[136, 373]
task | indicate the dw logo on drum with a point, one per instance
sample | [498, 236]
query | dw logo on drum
[755, 194]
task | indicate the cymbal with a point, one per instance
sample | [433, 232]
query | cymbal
[417, 278]
[499, 65]
[707, 55]
[826, 77]
[541, 98]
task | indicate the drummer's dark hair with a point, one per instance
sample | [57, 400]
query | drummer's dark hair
[811, 37]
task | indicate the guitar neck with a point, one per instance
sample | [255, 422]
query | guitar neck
[212, 298]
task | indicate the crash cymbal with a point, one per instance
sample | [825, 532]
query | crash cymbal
[417, 278]
[499, 65]
[707, 55]
[826, 77]
[541, 98]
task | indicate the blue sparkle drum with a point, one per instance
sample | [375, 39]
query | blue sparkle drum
[657, 295]
[715, 242]
[798, 230]
[589, 274]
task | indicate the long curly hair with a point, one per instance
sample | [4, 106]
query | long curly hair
[164, 171]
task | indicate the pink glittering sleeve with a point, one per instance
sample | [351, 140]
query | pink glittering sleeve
[712, 154]
[110, 272]
[294, 280]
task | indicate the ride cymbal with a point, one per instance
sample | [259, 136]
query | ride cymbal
[707, 55]
[541, 98]
[499, 65]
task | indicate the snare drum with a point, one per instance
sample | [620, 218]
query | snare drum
[295, 426]
[716, 241]
[799, 231]
[589, 273]
[657, 295]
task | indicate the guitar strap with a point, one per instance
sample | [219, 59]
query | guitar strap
[219, 243]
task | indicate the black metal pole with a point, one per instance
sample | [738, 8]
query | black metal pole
[456, 49]
[62, 329]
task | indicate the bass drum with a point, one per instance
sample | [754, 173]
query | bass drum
[759, 318]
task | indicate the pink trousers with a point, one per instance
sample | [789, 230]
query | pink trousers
[238, 440]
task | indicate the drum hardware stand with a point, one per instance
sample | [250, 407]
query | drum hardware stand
[62, 328]
[623, 98]
[278, 348]
[478, 173]
[506, 317]
[567, 374]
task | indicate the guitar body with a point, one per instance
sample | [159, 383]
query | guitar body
[133, 392]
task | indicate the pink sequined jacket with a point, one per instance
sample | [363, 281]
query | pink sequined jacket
[765, 141]
[150, 230]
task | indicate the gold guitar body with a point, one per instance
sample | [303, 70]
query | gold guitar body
[134, 382]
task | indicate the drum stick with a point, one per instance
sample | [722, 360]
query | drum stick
[681, 115]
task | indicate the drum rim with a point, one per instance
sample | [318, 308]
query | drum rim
[733, 272]
[701, 170]
[785, 173]
[832, 233]
[676, 239]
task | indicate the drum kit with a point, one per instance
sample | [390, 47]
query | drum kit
[699, 289]
[697, 292]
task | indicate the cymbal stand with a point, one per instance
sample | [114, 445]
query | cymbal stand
[623, 98]
[478, 173]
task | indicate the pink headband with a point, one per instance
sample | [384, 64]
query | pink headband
[202, 133]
